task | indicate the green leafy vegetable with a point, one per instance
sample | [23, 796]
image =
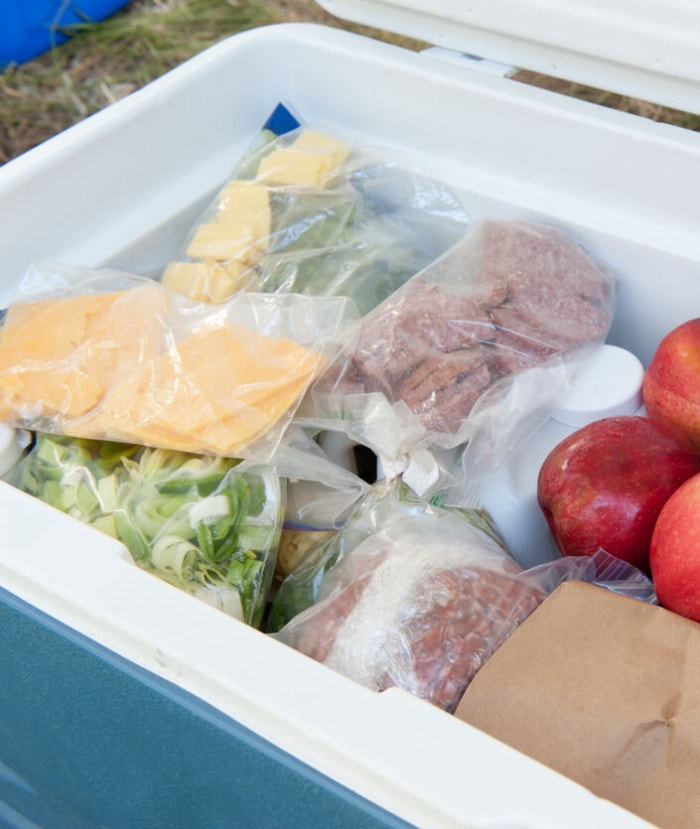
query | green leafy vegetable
[196, 522]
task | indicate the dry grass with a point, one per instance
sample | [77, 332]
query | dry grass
[646, 109]
[104, 62]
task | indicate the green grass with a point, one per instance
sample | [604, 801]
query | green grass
[103, 62]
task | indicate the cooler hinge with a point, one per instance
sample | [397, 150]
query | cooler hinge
[492, 67]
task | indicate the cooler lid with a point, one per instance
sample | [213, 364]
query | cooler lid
[647, 49]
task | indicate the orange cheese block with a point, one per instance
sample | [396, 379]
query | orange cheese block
[108, 366]
[217, 391]
[58, 357]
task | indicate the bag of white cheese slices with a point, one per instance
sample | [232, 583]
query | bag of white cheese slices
[314, 212]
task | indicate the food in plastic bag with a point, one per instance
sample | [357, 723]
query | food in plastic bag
[384, 503]
[314, 213]
[295, 543]
[110, 356]
[419, 605]
[320, 495]
[511, 299]
[421, 602]
[196, 522]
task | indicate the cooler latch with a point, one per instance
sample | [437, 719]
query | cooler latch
[492, 67]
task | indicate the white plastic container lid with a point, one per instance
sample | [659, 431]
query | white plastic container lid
[646, 49]
[609, 384]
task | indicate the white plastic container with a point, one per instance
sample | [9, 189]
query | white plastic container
[13, 443]
[610, 384]
[125, 185]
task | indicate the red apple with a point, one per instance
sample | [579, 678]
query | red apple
[671, 386]
[674, 554]
[605, 484]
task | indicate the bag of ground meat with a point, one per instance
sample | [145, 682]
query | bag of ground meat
[480, 344]
[384, 503]
[416, 596]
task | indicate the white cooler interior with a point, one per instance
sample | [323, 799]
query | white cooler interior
[123, 187]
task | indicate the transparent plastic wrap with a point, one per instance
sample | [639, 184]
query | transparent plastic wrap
[384, 503]
[111, 356]
[424, 599]
[316, 213]
[196, 522]
[321, 494]
[475, 349]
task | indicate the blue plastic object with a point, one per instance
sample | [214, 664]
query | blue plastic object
[89, 739]
[30, 27]
[281, 121]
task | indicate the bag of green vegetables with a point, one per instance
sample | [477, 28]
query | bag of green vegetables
[195, 521]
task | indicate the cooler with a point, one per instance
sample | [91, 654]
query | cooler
[127, 702]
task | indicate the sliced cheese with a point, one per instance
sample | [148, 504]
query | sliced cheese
[105, 366]
[187, 278]
[222, 284]
[205, 281]
[309, 161]
[58, 357]
[221, 241]
[246, 203]
[312, 141]
[218, 392]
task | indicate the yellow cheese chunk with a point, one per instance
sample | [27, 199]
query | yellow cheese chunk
[205, 281]
[286, 167]
[309, 161]
[220, 241]
[187, 278]
[312, 141]
[246, 202]
[223, 283]
[58, 357]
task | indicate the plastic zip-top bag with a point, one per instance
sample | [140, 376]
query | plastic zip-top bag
[418, 597]
[475, 347]
[111, 356]
[196, 522]
[314, 212]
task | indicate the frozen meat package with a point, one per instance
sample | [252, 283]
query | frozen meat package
[418, 596]
[474, 349]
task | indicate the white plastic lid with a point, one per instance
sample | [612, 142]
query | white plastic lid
[609, 384]
[646, 49]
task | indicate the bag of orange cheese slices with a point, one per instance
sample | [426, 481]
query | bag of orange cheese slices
[112, 356]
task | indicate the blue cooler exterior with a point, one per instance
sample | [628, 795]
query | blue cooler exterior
[88, 739]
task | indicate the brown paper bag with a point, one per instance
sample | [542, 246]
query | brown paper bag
[606, 690]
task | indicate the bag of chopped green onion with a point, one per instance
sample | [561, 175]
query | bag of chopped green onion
[197, 522]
